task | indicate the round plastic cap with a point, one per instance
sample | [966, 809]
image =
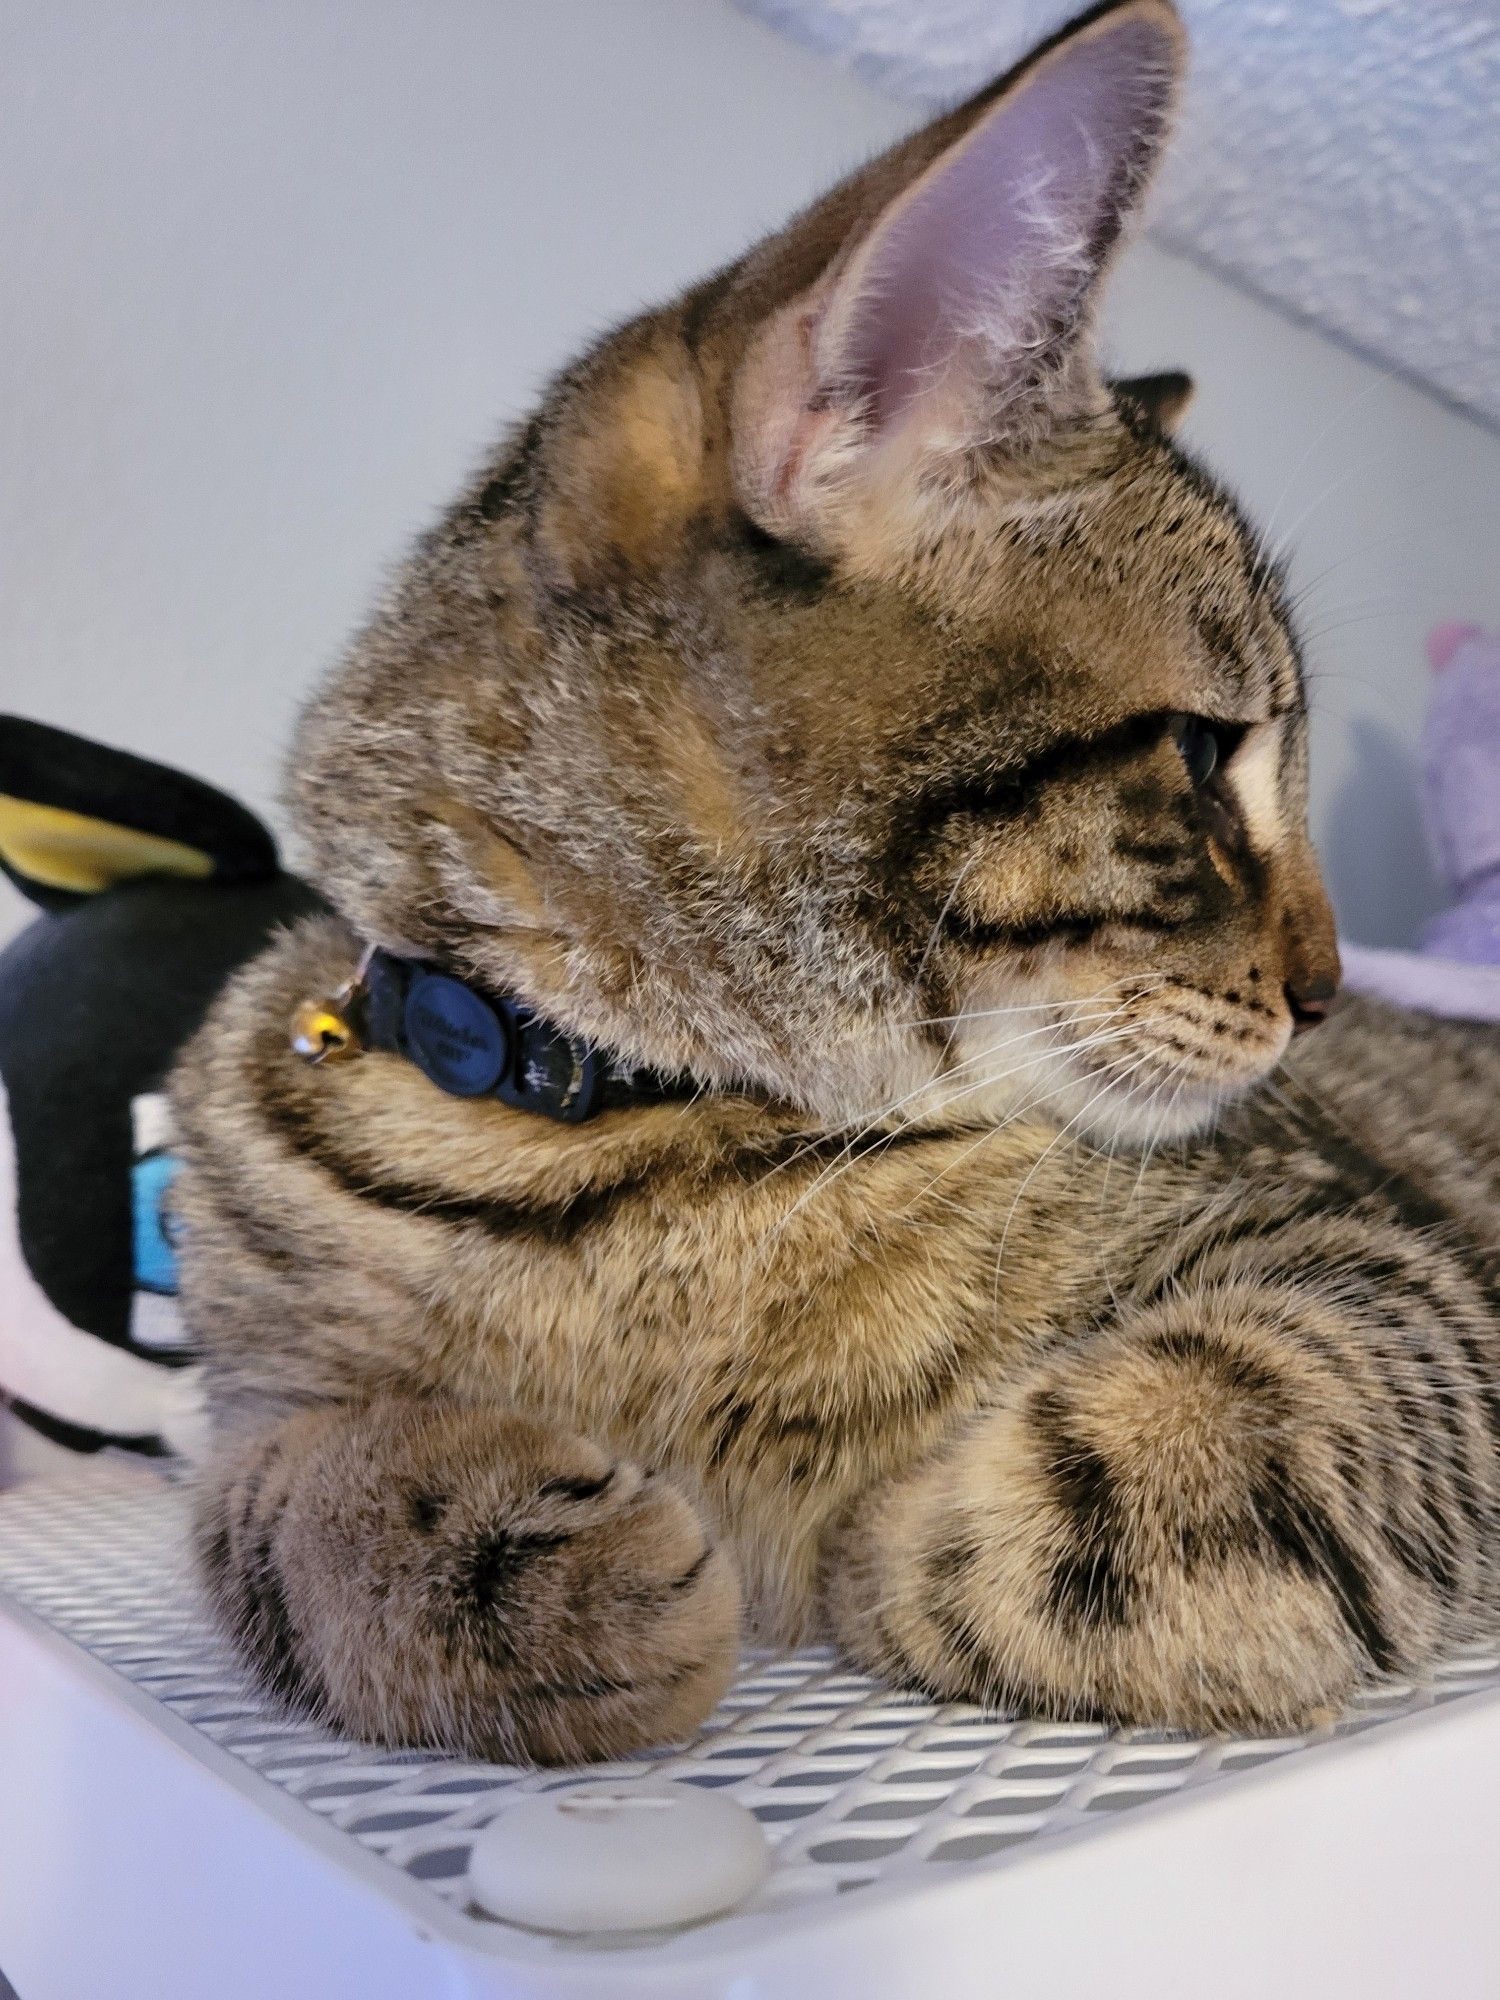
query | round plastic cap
[618, 1857]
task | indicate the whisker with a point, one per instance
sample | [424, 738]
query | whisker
[1140, 986]
[847, 1155]
[874, 1120]
[1111, 1083]
[937, 924]
[1031, 1104]
[762, 1250]
[1340, 416]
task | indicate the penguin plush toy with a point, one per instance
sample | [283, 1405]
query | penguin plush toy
[152, 889]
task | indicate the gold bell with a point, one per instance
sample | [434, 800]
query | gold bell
[322, 1033]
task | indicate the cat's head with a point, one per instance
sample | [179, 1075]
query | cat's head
[837, 686]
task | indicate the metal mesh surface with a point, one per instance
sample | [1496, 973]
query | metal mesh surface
[859, 1789]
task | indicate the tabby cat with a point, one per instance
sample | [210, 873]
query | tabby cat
[841, 697]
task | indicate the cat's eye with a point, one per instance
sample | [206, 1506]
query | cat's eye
[1204, 746]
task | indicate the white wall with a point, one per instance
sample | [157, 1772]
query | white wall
[274, 269]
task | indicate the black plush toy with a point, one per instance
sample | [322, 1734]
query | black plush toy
[153, 888]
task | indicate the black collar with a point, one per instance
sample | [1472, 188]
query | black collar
[473, 1043]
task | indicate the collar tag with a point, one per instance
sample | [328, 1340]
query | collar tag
[472, 1043]
[454, 1035]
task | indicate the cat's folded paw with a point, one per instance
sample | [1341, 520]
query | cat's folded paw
[1153, 1528]
[487, 1583]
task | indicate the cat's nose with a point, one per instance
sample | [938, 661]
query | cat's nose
[1309, 945]
[1308, 999]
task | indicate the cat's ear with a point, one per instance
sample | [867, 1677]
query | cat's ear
[959, 315]
[623, 460]
[1159, 401]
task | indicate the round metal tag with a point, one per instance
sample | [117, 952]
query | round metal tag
[453, 1036]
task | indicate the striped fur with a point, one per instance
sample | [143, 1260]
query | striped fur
[1012, 1303]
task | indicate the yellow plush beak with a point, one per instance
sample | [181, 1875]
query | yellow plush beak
[70, 851]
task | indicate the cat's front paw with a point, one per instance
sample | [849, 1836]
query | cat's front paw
[494, 1585]
[1154, 1527]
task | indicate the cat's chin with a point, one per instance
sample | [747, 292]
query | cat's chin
[1117, 1117]
[1049, 1091]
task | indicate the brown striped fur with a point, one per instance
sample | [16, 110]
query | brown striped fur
[994, 1306]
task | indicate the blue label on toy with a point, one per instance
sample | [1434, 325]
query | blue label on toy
[151, 1180]
[453, 1036]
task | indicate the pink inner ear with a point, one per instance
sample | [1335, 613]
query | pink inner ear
[995, 249]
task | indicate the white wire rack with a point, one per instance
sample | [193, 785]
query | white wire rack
[887, 1815]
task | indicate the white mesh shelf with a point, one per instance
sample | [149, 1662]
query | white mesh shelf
[892, 1820]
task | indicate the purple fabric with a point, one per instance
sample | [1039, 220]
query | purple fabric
[1456, 967]
[1416, 979]
[1462, 769]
